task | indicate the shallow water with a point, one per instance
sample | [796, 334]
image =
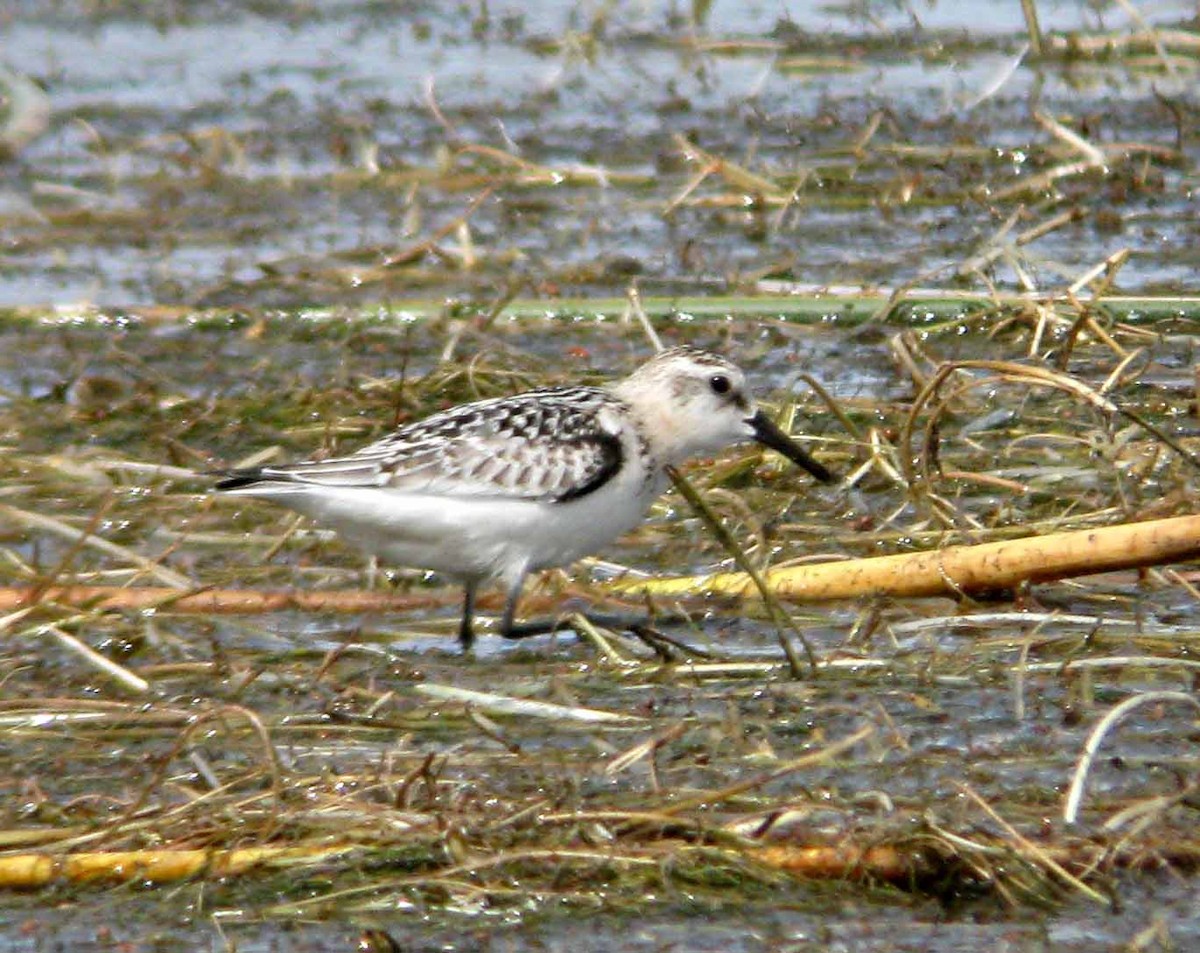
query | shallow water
[944, 684]
[275, 158]
[285, 171]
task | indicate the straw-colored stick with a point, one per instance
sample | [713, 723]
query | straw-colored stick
[897, 863]
[218, 601]
[23, 871]
[960, 569]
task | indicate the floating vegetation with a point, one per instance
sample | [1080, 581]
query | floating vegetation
[216, 694]
[960, 260]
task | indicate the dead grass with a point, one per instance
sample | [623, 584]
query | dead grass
[336, 767]
[298, 763]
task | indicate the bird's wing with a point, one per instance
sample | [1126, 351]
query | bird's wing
[554, 444]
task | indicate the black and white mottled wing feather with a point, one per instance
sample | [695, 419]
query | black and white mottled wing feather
[551, 444]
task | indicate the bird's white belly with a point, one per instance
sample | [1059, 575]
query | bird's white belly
[472, 537]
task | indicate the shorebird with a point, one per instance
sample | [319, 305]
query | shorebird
[495, 489]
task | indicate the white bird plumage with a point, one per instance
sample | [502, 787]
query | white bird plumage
[492, 490]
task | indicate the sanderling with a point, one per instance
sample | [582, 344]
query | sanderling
[492, 490]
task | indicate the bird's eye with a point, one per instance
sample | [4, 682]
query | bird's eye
[719, 383]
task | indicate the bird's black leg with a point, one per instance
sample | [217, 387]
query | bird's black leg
[510, 608]
[466, 628]
[608, 620]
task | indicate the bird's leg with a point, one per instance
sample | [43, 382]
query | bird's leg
[618, 622]
[466, 628]
[510, 607]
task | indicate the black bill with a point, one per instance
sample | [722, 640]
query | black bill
[769, 435]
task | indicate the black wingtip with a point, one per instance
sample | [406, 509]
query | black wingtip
[237, 479]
